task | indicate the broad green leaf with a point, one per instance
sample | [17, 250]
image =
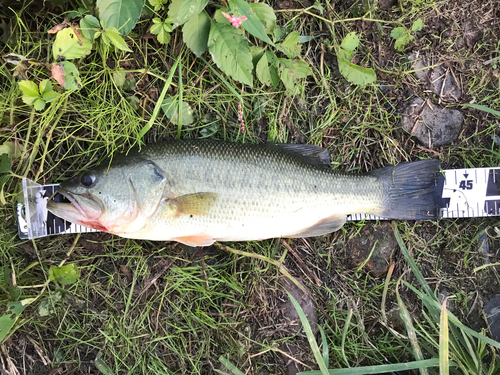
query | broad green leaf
[119, 78]
[181, 11]
[39, 104]
[170, 107]
[88, 26]
[350, 42]
[71, 75]
[64, 275]
[5, 163]
[162, 29]
[219, 18]
[116, 39]
[265, 14]
[354, 73]
[290, 46]
[291, 71]
[265, 70]
[48, 305]
[157, 4]
[230, 51]
[253, 24]
[6, 280]
[262, 71]
[29, 88]
[68, 46]
[195, 33]
[402, 41]
[10, 316]
[45, 86]
[46, 91]
[398, 32]
[257, 53]
[417, 25]
[122, 14]
[105, 39]
[11, 150]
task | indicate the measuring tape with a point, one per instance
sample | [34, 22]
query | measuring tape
[463, 193]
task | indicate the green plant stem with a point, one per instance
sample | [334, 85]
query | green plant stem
[180, 106]
[158, 105]
[26, 142]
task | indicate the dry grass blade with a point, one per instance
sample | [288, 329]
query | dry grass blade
[410, 329]
[444, 341]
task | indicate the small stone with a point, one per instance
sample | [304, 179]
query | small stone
[386, 4]
[379, 236]
[444, 84]
[439, 80]
[492, 311]
[431, 124]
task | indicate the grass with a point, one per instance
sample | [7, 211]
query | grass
[142, 307]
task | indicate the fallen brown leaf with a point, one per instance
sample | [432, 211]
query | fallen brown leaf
[58, 74]
[56, 28]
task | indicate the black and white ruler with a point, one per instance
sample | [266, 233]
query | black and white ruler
[464, 193]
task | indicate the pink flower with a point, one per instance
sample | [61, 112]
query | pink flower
[240, 118]
[235, 21]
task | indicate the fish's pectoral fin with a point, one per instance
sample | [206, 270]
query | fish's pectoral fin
[324, 226]
[193, 204]
[196, 240]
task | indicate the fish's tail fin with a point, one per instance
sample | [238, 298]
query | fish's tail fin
[410, 190]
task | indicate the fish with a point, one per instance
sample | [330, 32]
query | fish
[197, 192]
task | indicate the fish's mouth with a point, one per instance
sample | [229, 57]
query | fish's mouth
[81, 208]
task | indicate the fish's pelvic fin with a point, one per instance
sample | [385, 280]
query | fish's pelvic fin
[196, 240]
[324, 226]
[193, 204]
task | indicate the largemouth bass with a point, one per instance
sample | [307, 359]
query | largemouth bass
[197, 192]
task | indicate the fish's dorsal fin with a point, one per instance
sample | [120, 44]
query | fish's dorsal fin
[196, 204]
[309, 154]
[324, 226]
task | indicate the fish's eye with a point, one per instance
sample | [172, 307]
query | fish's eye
[87, 179]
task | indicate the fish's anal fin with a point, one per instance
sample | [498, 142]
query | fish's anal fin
[324, 226]
[196, 240]
[196, 204]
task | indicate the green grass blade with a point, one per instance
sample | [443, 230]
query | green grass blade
[411, 261]
[344, 335]
[230, 366]
[103, 366]
[310, 336]
[380, 369]
[324, 344]
[432, 303]
[483, 108]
